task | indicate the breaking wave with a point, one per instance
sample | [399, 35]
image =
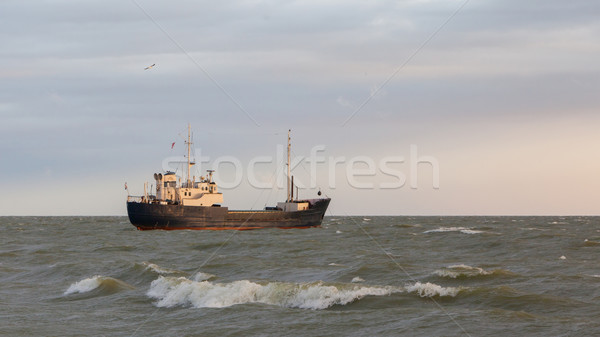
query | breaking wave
[173, 291]
[158, 269]
[181, 291]
[103, 283]
[200, 276]
[465, 271]
[464, 230]
[432, 289]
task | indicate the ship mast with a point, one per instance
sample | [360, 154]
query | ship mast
[189, 143]
[289, 198]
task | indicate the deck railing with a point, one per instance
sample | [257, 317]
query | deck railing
[133, 198]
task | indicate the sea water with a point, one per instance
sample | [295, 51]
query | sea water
[355, 276]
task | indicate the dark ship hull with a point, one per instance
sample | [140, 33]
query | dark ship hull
[146, 216]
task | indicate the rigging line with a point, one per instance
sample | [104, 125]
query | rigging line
[237, 230]
[391, 257]
[202, 265]
[374, 93]
[144, 322]
[206, 73]
[234, 232]
[275, 175]
[221, 246]
[302, 165]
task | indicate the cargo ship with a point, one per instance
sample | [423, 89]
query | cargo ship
[197, 204]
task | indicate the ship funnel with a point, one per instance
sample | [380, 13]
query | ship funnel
[155, 176]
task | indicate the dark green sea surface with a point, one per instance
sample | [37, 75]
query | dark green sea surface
[355, 276]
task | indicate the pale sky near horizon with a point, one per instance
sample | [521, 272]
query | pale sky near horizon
[503, 95]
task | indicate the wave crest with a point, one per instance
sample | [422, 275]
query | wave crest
[158, 269]
[464, 230]
[171, 291]
[432, 289]
[103, 283]
[465, 271]
[461, 270]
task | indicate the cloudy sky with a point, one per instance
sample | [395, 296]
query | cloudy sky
[500, 97]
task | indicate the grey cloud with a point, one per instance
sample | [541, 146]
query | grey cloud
[74, 95]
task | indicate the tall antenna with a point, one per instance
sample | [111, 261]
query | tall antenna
[289, 188]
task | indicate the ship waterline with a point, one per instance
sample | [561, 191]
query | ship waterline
[147, 216]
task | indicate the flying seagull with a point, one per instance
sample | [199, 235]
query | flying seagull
[148, 67]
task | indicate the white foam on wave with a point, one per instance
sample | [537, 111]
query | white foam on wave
[200, 276]
[463, 230]
[338, 232]
[107, 284]
[432, 289]
[458, 270]
[357, 279]
[171, 291]
[532, 229]
[85, 285]
[158, 269]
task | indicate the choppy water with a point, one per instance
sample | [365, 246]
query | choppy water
[356, 276]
